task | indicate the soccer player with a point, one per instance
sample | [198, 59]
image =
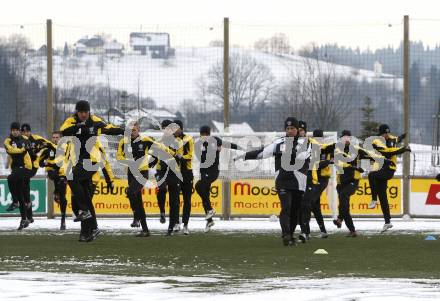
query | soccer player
[37, 143]
[47, 158]
[292, 151]
[305, 203]
[135, 150]
[17, 146]
[378, 179]
[302, 131]
[347, 161]
[166, 177]
[186, 186]
[84, 126]
[207, 149]
[317, 180]
[109, 179]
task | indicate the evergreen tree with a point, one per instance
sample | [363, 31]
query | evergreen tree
[415, 85]
[369, 126]
[66, 50]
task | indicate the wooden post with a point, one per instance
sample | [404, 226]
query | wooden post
[49, 109]
[226, 191]
[406, 107]
[226, 74]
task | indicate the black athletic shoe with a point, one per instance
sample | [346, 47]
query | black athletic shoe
[135, 223]
[302, 237]
[286, 240]
[24, 223]
[143, 234]
[292, 242]
[12, 207]
[63, 225]
[337, 222]
[31, 220]
[83, 237]
[169, 232]
[83, 215]
[162, 220]
[351, 234]
[95, 233]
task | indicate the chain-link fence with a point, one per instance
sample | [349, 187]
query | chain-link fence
[148, 72]
[23, 65]
[333, 76]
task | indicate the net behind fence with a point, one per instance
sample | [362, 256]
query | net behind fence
[147, 72]
[229, 169]
[23, 65]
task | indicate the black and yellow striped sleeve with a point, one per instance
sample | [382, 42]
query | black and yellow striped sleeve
[12, 150]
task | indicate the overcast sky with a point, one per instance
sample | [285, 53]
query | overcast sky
[363, 23]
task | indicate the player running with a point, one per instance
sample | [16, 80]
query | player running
[207, 149]
[17, 146]
[291, 163]
[317, 180]
[378, 179]
[134, 152]
[48, 159]
[36, 143]
[83, 126]
[168, 176]
[185, 162]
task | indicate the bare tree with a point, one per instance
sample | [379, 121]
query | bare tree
[291, 99]
[319, 95]
[278, 43]
[17, 50]
[250, 83]
[262, 45]
[216, 43]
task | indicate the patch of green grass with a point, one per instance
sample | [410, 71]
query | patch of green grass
[235, 255]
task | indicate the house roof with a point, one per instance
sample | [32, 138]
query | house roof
[95, 42]
[80, 46]
[113, 45]
[155, 113]
[149, 39]
[235, 128]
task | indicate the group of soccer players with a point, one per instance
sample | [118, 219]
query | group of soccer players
[23, 148]
[79, 159]
[303, 170]
[302, 164]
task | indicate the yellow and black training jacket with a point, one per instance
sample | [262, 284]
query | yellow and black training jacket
[17, 149]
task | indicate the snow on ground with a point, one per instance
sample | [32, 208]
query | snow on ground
[69, 286]
[122, 225]
[61, 286]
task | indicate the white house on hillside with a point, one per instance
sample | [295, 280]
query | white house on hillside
[155, 43]
[234, 128]
[98, 45]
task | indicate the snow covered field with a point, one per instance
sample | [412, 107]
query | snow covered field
[72, 286]
[122, 225]
[61, 286]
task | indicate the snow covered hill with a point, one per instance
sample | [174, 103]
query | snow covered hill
[170, 82]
